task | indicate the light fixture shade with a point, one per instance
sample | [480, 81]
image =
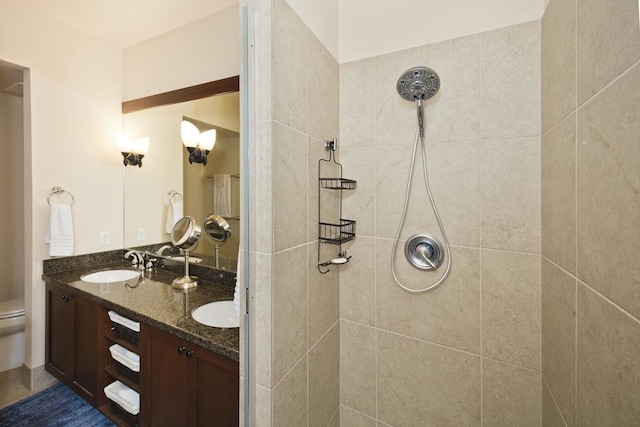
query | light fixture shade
[141, 146]
[124, 143]
[189, 134]
[208, 139]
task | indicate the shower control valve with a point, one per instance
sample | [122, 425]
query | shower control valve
[424, 251]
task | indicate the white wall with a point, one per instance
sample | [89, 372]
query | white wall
[200, 52]
[73, 100]
[354, 29]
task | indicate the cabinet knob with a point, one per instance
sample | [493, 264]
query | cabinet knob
[190, 353]
[66, 298]
[181, 349]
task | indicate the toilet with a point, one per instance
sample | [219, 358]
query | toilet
[12, 318]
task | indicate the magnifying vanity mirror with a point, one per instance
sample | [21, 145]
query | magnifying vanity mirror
[218, 231]
[186, 236]
[168, 178]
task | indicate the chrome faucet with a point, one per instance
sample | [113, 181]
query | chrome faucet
[163, 248]
[137, 259]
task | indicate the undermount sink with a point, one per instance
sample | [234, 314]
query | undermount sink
[110, 276]
[192, 259]
[219, 314]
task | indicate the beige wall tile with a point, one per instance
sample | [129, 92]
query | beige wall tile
[558, 64]
[329, 199]
[452, 114]
[511, 307]
[511, 396]
[359, 164]
[262, 407]
[262, 60]
[351, 418]
[559, 337]
[425, 384]
[324, 93]
[335, 421]
[290, 398]
[448, 315]
[558, 188]
[357, 104]
[392, 171]
[324, 297]
[510, 194]
[510, 82]
[289, 313]
[324, 378]
[358, 282]
[261, 310]
[609, 192]
[264, 188]
[358, 367]
[608, 43]
[608, 363]
[289, 62]
[550, 413]
[289, 187]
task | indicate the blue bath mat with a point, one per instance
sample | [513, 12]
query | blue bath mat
[56, 406]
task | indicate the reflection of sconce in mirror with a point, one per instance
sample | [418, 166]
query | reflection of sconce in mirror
[198, 144]
[132, 151]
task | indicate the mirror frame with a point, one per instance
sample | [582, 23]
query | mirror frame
[204, 90]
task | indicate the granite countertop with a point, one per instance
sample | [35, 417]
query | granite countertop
[156, 303]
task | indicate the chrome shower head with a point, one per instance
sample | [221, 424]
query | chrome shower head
[418, 83]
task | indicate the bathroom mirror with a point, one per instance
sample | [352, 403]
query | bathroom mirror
[217, 229]
[149, 191]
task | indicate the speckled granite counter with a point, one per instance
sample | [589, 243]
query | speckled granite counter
[156, 303]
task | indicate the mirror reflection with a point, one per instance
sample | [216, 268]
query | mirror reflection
[174, 182]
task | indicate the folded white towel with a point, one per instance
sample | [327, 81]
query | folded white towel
[59, 234]
[174, 214]
[222, 194]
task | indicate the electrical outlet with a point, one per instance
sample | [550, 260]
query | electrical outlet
[142, 234]
[104, 238]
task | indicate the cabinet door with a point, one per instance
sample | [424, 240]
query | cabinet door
[163, 379]
[86, 336]
[59, 334]
[213, 389]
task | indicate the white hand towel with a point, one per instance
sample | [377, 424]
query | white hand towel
[60, 231]
[236, 293]
[174, 214]
[222, 194]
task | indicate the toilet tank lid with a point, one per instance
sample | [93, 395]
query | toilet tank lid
[12, 307]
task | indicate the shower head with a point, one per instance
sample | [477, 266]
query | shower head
[418, 83]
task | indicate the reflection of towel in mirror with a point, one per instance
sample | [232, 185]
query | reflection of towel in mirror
[174, 214]
[222, 194]
[236, 292]
[59, 234]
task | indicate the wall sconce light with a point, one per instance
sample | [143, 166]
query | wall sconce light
[198, 144]
[132, 151]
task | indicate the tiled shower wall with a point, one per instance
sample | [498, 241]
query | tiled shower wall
[590, 213]
[296, 351]
[467, 352]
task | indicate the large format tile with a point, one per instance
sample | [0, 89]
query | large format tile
[510, 194]
[359, 165]
[358, 367]
[261, 310]
[448, 315]
[608, 363]
[609, 192]
[452, 114]
[324, 378]
[323, 86]
[558, 188]
[351, 418]
[289, 67]
[558, 62]
[511, 396]
[290, 398]
[608, 42]
[262, 404]
[510, 82]
[263, 188]
[329, 200]
[559, 337]
[358, 282]
[550, 413]
[421, 384]
[511, 308]
[262, 61]
[289, 187]
[289, 312]
[357, 104]
[324, 297]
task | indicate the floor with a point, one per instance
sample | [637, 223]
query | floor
[11, 388]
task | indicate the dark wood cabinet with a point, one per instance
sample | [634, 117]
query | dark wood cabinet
[72, 342]
[185, 384]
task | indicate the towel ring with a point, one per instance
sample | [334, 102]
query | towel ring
[59, 190]
[173, 194]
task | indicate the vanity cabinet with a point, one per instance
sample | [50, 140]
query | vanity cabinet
[185, 384]
[72, 343]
